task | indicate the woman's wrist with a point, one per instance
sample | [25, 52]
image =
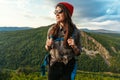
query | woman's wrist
[47, 47]
[74, 46]
[76, 50]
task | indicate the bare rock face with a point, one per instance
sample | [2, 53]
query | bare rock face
[92, 47]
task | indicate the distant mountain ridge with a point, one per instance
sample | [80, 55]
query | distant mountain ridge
[100, 31]
[14, 28]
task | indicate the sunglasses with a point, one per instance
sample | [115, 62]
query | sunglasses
[58, 11]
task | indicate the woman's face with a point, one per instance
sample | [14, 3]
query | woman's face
[59, 14]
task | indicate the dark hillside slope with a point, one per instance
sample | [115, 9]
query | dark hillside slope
[22, 48]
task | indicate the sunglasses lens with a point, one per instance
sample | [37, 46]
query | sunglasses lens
[58, 11]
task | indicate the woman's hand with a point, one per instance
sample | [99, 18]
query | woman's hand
[49, 42]
[71, 42]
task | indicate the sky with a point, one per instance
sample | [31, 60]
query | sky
[90, 14]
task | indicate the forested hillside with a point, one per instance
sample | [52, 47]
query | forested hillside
[104, 45]
[25, 49]
[22, 48]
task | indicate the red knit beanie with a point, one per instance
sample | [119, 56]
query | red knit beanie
[68, 6]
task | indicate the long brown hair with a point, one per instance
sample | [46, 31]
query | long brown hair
[69, 26]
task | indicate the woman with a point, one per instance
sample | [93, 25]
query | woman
[63, 43]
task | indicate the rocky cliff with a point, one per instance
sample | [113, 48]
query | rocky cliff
[92, 47]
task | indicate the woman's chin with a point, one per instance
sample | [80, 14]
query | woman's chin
[59, 21]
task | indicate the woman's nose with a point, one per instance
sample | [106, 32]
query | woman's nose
[57, 14]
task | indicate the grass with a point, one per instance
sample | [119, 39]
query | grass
[81, 75]
[8, 74]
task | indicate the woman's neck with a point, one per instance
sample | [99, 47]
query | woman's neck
[62, 24]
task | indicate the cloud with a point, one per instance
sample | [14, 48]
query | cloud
[96, 14]
[93, 14]
[24, 13]
[108, 25]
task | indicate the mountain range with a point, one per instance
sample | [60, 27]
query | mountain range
[100, 31]
[25, 48]
[14, 28]
[85, 29]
